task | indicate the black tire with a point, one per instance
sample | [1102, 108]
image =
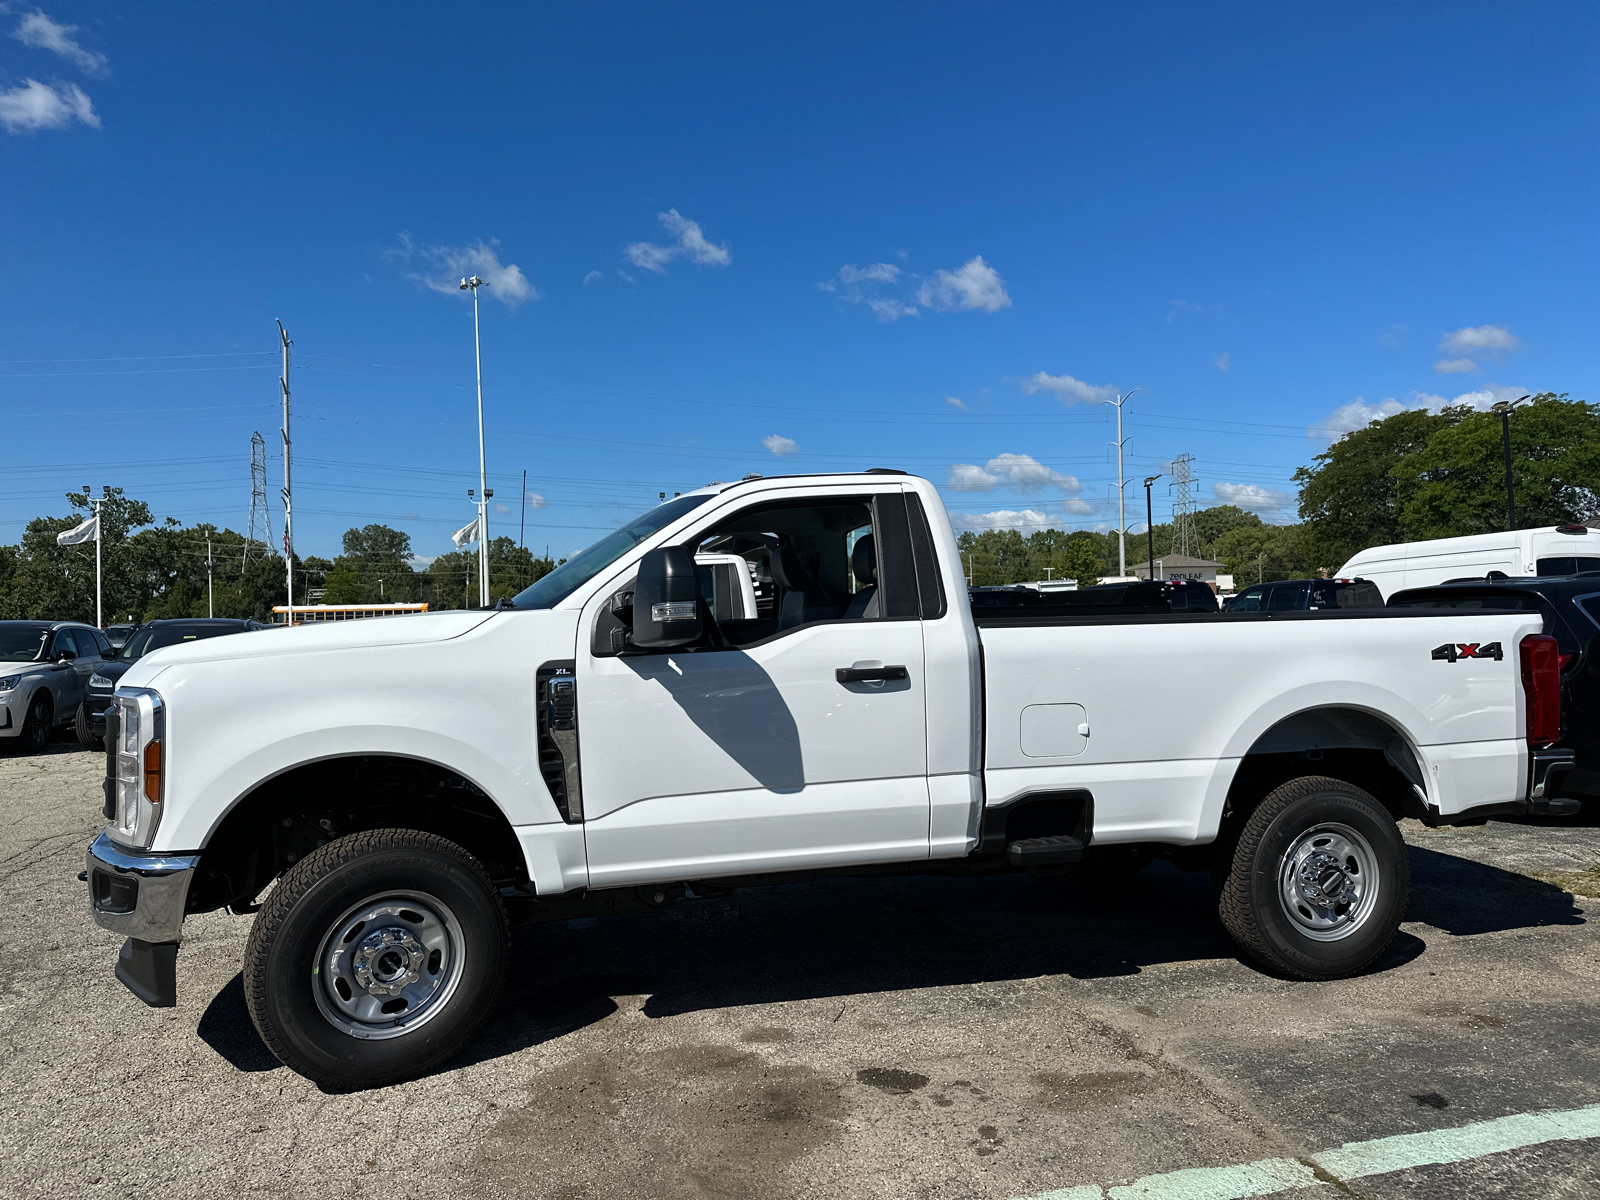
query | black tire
[36, 725]
[1316, 882]
[293, 999]
[88, 739]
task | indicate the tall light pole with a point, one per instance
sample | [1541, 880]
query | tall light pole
[1504, 407]
[288, 499]
[472, 285]
[1149, 523]
[1122, 489]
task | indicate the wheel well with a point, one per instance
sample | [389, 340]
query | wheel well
[1342, 743]
[290, 815]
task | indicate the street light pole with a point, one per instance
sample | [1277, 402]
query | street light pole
[1122, 489]
[1504, 407]
[472, 285]
[1149, 523]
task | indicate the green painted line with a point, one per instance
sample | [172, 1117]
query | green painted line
[1353, 1160]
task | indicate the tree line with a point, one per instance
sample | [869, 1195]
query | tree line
[156, 570]
[1411, 477]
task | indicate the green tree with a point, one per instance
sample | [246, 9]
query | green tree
[1261, 553]
[47, 581]
[344, 585]
[1351, 497]
[379, 560]
[1455, 484]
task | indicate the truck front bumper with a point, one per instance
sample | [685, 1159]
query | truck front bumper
[142, 896]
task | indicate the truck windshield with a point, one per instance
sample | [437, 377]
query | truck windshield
[23, 643]
[584, 566]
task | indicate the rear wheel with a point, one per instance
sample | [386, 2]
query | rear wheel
[376, 958]
[87, 738]
[36, 726]
[1315, 885]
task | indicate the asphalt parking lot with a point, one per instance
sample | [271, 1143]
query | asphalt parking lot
[919, 1037]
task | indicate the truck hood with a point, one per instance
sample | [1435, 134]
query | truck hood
[368, 633]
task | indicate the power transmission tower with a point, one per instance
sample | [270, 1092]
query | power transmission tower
[259, 530]
[1185, 539]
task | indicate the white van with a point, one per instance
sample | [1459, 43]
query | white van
[1520, 554]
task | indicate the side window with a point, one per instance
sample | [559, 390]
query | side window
[1591, 608]
[1287, 597]
[1362, 594]
[64, 644]
[1249, 601]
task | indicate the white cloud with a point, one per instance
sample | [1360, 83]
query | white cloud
[537, 501]
[1177, 308]
[1253, 497]
[1019, 470]
[1067, 389]
[1491, 340]
[891, 310]
[872, 273]
[594, 277]
[1081, 507]
[859, 287]
[40, 32]
[445, 267]
[1455, 366]
[1027, 520]
[957, 403]
[34, 106]
[1222, 361]
[780, 445]
[973, 285]
[501, 508]
[691, 241]
[1358, 414]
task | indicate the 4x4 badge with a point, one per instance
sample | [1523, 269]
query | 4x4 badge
[1451, 651]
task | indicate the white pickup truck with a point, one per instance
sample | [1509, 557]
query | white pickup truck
[627, 733]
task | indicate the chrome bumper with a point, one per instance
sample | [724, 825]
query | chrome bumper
[139, 895]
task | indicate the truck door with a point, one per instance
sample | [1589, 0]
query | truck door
[799, 743]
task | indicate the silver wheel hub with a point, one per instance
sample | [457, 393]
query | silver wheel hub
[1328, 882]
[388, 965]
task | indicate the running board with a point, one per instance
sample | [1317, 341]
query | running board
[1044, 851]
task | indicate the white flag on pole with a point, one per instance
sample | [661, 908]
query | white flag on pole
[467, 533]
[89, 531]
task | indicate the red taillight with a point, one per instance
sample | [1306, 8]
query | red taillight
[1566, 660]
[1541, 682]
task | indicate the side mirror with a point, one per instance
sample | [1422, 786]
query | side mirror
[666, 600]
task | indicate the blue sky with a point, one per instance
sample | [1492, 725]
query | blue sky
[740, 238]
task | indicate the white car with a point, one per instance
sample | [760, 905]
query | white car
[45, 668]
[410, 788]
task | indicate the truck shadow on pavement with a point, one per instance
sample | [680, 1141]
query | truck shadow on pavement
[838, 938]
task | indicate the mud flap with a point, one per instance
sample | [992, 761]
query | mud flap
[150, 971]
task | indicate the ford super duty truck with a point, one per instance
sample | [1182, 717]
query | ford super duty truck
[390, 797]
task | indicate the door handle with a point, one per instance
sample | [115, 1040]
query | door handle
[869, 674]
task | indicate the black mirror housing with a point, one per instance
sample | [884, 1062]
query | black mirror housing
[666, 600]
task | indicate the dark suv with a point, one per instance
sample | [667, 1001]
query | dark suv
[1571, 610]
[152, 635]
[1303, 595]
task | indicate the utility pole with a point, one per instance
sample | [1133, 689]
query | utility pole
[1122, 486]
[522, 529]
[1150, 525]
[211, 607]
[472, 285]
[1504, 407]
[288, 499]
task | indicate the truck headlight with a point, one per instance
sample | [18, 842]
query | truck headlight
[140, 762]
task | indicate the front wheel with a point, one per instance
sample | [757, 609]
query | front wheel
[36, 726]
[1317, 881]
[87, 738]
[376, 958]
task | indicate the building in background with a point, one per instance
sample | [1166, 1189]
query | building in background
[1178, 566]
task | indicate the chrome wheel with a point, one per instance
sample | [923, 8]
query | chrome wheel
[1328, 882]
[388, 965]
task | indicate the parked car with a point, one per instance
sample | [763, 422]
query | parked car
[118, 634]
[1516, 553]
[1124, 596]
[90, 723]
[1570, 610]
[44, 671]
[1306, 595]
[408, 789]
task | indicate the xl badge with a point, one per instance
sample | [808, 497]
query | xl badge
[1451, 651]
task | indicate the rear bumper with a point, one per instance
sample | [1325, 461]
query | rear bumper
[1548, 771]
[139, 895]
